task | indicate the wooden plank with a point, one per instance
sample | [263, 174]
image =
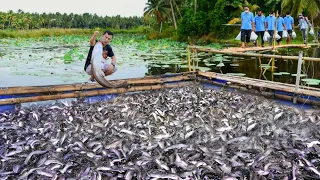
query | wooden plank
[280, 57]
[262, 84]
[80, 87]
[239, 49]
[259, 80]
[77, 94]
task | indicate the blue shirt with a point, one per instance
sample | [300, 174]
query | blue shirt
[280, 24]
[247, 20]
[288, 20]
[259, 21]
[271, 22]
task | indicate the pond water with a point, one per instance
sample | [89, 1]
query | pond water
[60, 60]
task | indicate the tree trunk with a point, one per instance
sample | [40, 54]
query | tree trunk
[160, 27]
[173, 16]
[315, 35]
[195, 6]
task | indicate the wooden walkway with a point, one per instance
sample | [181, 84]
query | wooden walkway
[239, 49]
[250, 54]
[303, 90]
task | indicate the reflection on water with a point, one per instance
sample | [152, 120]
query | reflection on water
[251, 67]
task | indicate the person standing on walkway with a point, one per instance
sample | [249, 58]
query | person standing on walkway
[247, 26]
[280, 27]
[289, 21]
[304, 25]
[270, 24]
[259, 26]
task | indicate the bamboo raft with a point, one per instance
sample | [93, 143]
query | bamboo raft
[281, 90]
[11, 96]
[250, 54]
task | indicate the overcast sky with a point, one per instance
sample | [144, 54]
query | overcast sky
[100, 7]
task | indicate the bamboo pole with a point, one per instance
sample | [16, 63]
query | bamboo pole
[80, 87]
[296, 89]
[193, 59]
[258, 55]
[91, 93]
[272, 69]
[260, 63]
[189, 59]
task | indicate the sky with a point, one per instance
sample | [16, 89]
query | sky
[123, 8]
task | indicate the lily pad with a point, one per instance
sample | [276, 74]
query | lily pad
[313, 83]
[184, 66]
[203, 68]
[302, 75]
[284, 73]
[234, 65]
[209, 64]
[236, 74]
[220, 65]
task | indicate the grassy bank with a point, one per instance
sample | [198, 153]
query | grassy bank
[60, 32]
[151, 34]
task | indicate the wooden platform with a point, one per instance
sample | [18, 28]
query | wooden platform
[303, 90]
[239, 49]
[233, 52]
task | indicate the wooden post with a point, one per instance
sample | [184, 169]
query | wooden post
[272, 69]
[193, 59]
[298, 77]
[260, 64]
[189, 59]
[197, 58]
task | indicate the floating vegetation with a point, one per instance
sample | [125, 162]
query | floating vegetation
[234, 65]
[301, 75]
[285, 73]
[277, 74]
[236, 74]
[203, 69]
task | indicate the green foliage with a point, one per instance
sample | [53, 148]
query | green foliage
[9, 33]
[22, 20]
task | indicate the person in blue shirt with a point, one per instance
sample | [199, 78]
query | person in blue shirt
[289, 21]
[247, 26]
[270, 24]
[259, 26]
[280, 27]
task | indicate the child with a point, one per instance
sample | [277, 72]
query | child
[107, 67]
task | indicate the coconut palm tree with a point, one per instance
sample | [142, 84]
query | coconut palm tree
[252, 7]
[158, 9]
[171, 2]
[297, 6]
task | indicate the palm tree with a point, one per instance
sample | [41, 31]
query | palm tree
[174, 6]
[252, 8]
[297, 6]
[158, 9]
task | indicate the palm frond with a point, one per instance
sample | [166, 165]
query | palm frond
[234, 21]
[254, 7]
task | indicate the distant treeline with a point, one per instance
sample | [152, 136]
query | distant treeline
[24, 21]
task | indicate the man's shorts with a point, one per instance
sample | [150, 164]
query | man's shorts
[104, 67]
[290, 32]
